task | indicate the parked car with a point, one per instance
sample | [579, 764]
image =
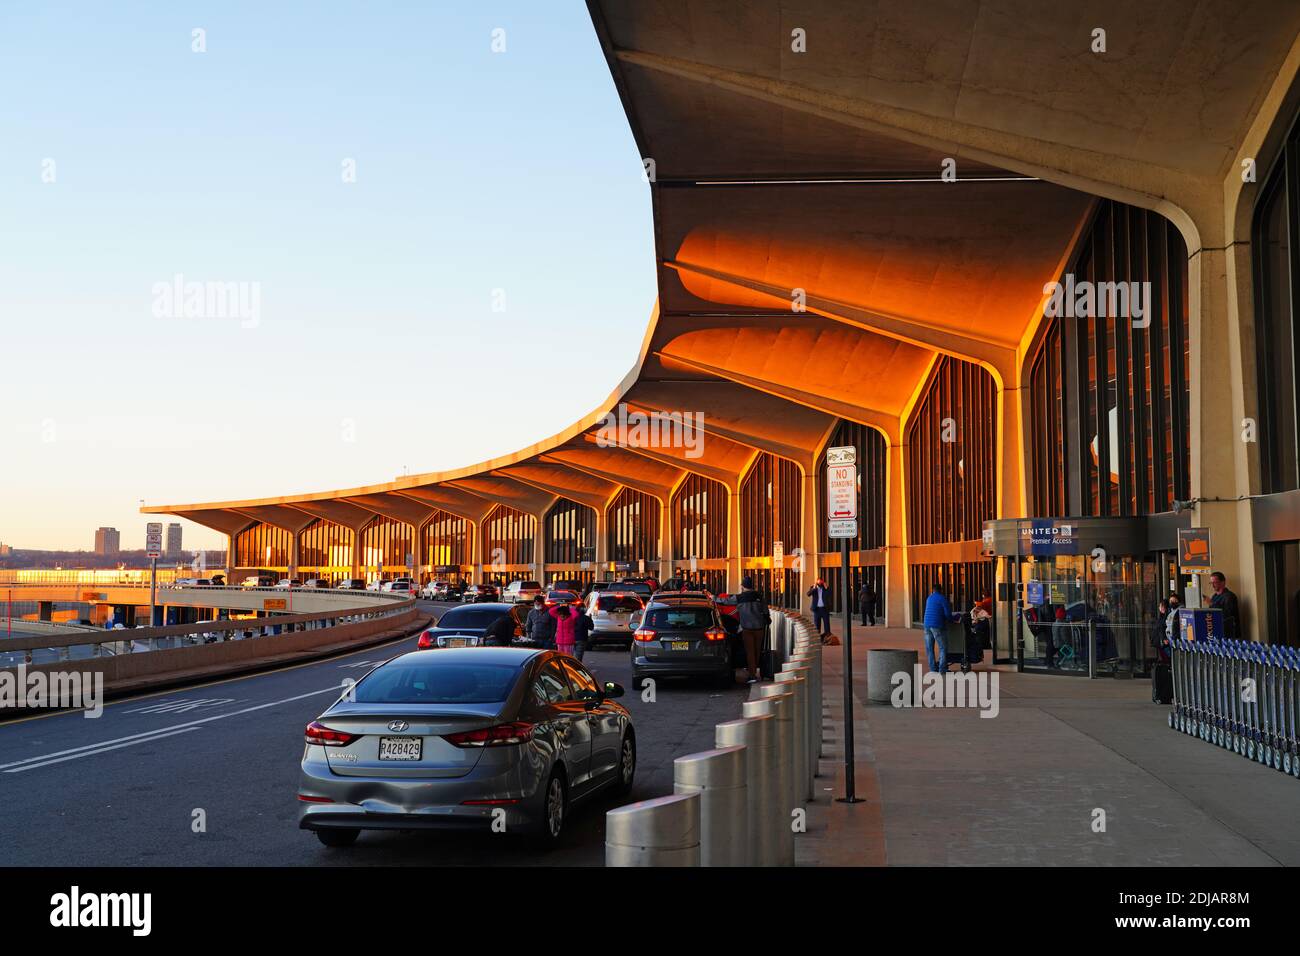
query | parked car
[521, 591]
[403, 586]
[452, 738]
[466, 626]
[259, 581]
[614, 615]
[681, 637]
[478, 593]
[567, 584]
[352, 584]
[431, 589]
[597, 586]
[288, 583]
[562, 597]
[640, 588]
[317, 583]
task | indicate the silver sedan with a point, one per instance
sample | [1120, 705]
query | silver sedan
[497, 738]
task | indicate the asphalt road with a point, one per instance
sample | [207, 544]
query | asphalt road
[130, 788]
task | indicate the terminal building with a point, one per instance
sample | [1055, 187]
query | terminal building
[1057, 320]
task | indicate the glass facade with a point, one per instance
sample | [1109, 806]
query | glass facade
[570, 533]
[507, 538]
[1109, 405]
[325, 551]
[1282, 587]
[873, 464]
[385, 543]
[634, 528]
[700, 519]
[771, 510]
[444, 543]
[263, 546]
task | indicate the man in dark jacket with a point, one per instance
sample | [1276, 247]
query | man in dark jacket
[1226, 601]
[821, 608]
[581, 631]
[754, 617]
[867, 603]
[540, 626]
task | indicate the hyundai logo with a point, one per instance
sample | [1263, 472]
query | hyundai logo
[397, 726]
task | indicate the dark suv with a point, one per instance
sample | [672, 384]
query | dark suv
[681, 637]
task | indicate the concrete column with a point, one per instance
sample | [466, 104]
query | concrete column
[898, 608]
[733, 541]
[356, 552]
[810, 536]
[539, 549]
[602, 542]
[295, 539]
[665, 539]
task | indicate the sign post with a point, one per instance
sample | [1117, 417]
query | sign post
[842, 523]
[153, 546]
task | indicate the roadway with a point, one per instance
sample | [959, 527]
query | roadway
[123, 789]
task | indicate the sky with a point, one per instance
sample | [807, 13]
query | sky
[410, 252]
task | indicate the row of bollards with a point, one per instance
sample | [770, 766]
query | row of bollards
[1240, 695]
[738, 805]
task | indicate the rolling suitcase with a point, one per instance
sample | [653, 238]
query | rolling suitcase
[1162, 684]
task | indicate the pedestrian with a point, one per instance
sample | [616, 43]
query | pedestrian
[821, 610]
[501, 632]
[1159, 639]
[565, 629]
[539, 626]
[754, 618]
[938, 614]
[867, 603]
[1225, 600]
[582, 628]
[1171, 617]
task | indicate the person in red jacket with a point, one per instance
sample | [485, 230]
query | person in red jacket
[565, 629]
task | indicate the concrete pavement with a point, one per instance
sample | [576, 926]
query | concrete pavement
[1030, 786]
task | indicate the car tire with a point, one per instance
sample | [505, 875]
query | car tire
[554, 810]
[338, 839]
[626, 765]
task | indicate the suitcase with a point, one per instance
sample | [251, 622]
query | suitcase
[767, 663]
[1162, 684]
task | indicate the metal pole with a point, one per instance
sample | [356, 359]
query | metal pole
[153, 592]
[850, 783]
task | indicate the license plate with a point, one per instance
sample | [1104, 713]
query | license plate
[400, 748]
[681, 645]
[456, 642]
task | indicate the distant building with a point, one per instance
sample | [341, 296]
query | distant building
[5, 550]
[173, 539]
[108, 541]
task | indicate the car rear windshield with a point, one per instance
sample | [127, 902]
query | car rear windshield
[529, 586]
[680, 618]
[620, 602]
[426, 682]
[476, 617]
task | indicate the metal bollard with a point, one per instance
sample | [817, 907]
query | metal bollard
[795, 678]
[758, 736]
[664, 831]
[720, 778]
[781, 782]
[816, 707]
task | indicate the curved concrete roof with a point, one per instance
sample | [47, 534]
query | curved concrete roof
[784, 176]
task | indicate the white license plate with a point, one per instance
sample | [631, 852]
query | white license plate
[457, 641]
[400, 748]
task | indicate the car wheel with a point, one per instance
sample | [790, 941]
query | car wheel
[626, 765]
[338, 838]
[555, 809]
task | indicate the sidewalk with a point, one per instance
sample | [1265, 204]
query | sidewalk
[948, 787]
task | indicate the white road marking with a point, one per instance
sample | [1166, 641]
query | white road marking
[90, 749]
[183, 706]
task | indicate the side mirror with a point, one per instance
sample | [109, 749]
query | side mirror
[613, 690]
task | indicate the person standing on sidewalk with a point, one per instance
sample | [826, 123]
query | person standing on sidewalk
[867, 603]
[1225, 600]
[821, 610]
[938, 614]
[540, 626]
[754, 618]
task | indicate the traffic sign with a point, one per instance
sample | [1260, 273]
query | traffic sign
[841, 491]
[1194, 550]
[843, 527]
[842, 455]
[153, 539]
[778, 554]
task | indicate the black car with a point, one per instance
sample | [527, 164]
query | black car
[682, 637]
[476, 625]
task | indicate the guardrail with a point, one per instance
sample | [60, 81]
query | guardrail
[737, 805]
[1241, 695]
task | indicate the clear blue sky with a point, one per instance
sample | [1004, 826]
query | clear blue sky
[475, 171]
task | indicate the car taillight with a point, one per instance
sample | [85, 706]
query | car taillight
[644, 634]
[715, 634]
[426, 641]
[517, 732]
[318, 733]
